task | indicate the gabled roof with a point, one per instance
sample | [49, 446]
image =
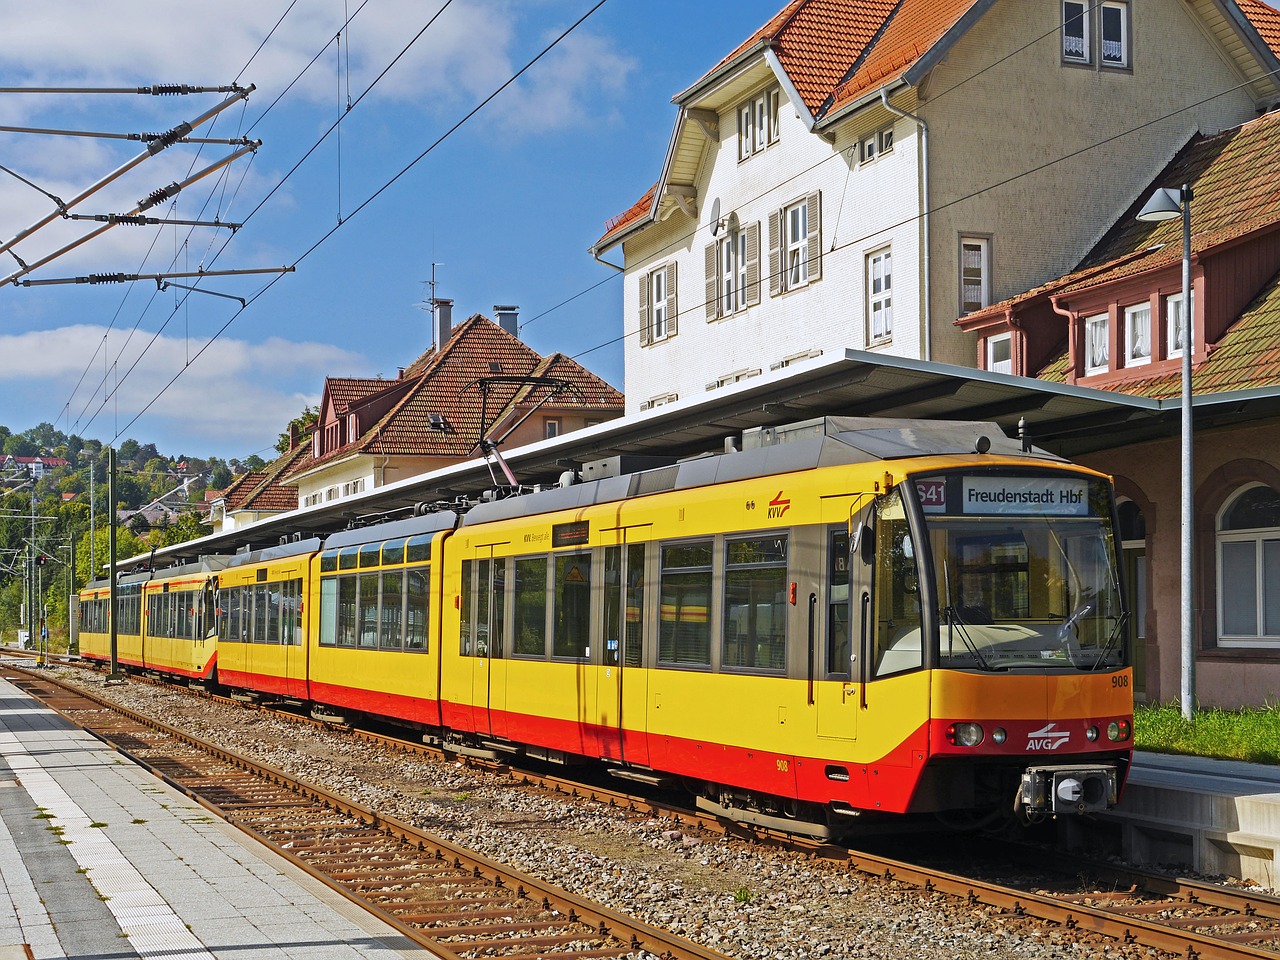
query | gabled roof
[1235, 182]
[449, 382]
[836, 54]
[262, 490]
[345, 391]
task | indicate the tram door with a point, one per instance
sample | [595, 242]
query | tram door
[620, 688]
[848, 596]
[485, 641]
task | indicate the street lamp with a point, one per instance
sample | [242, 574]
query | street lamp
[1166, 204]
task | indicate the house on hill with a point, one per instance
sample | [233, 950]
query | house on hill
[857, 173]
[482, 383]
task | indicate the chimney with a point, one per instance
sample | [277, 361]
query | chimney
[507, 318]
[444, 320]
[293, 436]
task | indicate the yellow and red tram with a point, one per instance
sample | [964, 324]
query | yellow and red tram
[842, 618]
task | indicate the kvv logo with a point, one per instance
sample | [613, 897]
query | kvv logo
[1048, 737]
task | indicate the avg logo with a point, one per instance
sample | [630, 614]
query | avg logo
[778, 506]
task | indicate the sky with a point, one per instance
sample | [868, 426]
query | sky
[502, 209]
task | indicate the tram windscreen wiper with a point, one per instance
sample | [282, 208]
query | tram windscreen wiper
[954, 622]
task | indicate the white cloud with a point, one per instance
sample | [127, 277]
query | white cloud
[236, 395]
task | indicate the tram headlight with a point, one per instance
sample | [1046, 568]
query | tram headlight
[1091, 733]
[1118, 730]
[965, 734]
[998, 735]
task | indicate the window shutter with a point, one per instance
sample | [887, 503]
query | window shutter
[775, 253]
[814, 201]
[753, 264]
[646, 333]
[713, 301]
[672, 314]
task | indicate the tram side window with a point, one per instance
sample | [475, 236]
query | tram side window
[755, 603]
[367, 631]
[390, 630]
[261, 614]
[898, 641]
[466, 628]
[623, 604]
[684, 630]
[275, 612]
[415, 608]
[571, 611]
[291, 613]
[838, 644]
[346, 636]
[182, 609]
[530, 616]
[329, 611]
[498, 604]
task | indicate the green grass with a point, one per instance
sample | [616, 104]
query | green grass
[1251, 733]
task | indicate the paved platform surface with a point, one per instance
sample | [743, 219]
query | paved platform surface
[99, 860]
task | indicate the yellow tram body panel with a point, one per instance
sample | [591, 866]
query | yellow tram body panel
[262, 607]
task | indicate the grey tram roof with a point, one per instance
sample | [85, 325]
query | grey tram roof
[823, 442]
[1065, 419]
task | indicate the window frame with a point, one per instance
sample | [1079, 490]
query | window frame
[879, 304]
[1000, 338]
[1258, 537]
[1087, 325]
[1126, 35]
[1082, 16]
[795, 252]
[1172, 350]
[983, 243]
[1132, 311]
[758, 122]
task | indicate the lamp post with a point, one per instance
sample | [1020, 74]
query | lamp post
[1166, 204]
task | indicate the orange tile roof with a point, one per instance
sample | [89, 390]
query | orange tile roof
[446, 382]
[1265, 19]
[1235, 181]
[615, 225]
[344, 391]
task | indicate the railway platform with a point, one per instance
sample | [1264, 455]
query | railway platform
[99, 858]
[1214, 816]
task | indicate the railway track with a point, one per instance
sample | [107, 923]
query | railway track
[453, 901]
[1180, 917]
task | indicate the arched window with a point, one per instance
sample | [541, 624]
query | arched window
[1249, 568]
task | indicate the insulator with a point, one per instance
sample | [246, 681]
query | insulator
[169, 139]
[128, 220]
[170, 89]
[108, 278]
[159, 196]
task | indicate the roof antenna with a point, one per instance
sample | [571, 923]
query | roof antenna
[1022, 435]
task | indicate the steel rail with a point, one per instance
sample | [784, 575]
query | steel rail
[587, 920]
[1124, 922]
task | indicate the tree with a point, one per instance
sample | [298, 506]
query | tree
[300, 423]
[186, 527]
[128, 450]
[16, 445]
[254, 462]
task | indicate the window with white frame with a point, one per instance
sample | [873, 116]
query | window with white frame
[1248, 541]
[975, 274]
[1000, 353]
[1097, 344]
[733, 271]
[1175, 323]
[795, 244]
[758, 122]
[1137, 334]
[875, 144]
[1115, 34]
[880, 295]
[1075, 31]
[551, 427]
[795, 221]
[657, 304]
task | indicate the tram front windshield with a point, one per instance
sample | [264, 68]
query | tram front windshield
[1024, 571]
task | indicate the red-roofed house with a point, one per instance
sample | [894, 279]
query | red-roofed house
[1116, 323]
[484, 382]
[857, 173]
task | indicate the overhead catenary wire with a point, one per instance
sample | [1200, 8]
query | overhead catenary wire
[552, 44]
